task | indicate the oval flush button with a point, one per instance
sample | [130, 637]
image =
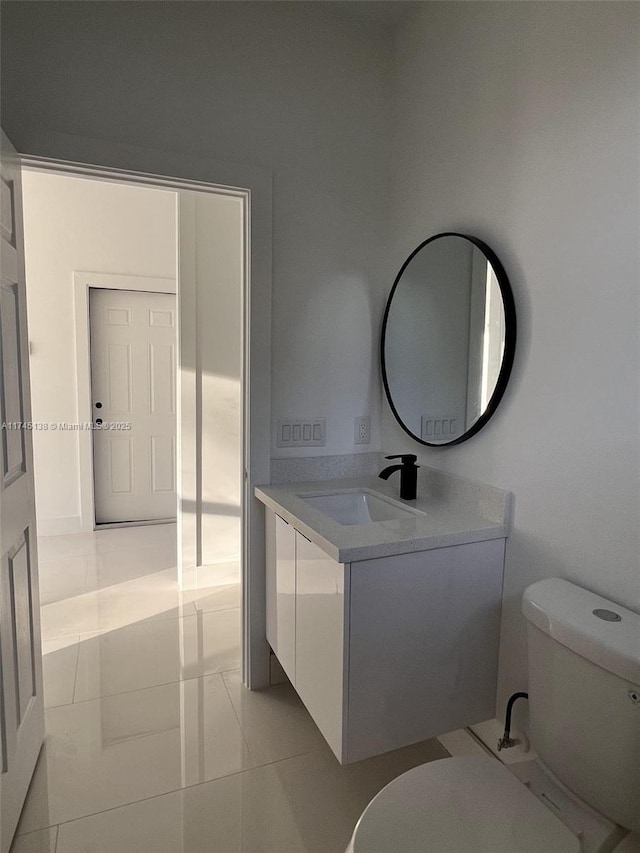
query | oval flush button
[607, 615]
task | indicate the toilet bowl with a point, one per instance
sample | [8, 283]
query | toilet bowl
[584, 687]
[477, 805]
[460, 805]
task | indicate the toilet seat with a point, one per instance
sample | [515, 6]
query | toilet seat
[459, 805]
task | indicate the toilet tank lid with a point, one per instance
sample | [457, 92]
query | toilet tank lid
[565, 612]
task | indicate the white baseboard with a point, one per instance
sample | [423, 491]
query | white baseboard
[59, 526]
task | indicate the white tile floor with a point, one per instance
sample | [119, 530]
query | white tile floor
[153, 745]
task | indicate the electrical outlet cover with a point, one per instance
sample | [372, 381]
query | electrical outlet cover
[362, 430]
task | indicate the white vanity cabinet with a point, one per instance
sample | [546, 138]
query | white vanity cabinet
[388, 651]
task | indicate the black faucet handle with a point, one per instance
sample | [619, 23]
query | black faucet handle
[407, 458]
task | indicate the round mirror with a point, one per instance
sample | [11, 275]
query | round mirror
[448, 339]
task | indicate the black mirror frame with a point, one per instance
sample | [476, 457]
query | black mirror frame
[509, 343]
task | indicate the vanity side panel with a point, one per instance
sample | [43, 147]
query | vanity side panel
[423, 647]
[320, 639]
[281, 590]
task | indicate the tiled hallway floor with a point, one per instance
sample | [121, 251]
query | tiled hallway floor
[153, 745]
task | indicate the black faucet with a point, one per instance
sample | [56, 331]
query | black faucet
[408, 475]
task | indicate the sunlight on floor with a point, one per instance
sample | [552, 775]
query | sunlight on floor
[153, 743]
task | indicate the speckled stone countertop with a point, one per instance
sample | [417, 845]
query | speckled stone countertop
[456, 511]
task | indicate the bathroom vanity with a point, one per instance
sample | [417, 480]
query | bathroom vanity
[385, 614]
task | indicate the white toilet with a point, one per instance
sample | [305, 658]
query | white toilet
[582, 794]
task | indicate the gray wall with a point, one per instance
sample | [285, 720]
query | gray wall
[300, 89]
[519, 122]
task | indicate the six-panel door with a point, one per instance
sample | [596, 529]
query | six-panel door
[133, 386]
[21, 701]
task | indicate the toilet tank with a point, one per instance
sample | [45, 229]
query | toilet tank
[584, 695]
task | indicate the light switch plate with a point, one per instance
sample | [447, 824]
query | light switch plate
[301, 432]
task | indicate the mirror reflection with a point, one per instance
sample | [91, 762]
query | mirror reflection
[448, 339]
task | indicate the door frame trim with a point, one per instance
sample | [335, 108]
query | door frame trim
[122, 162]
[82, 283]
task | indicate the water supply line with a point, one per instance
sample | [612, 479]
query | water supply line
[506, 741]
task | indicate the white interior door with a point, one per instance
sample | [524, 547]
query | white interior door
[133, 385]
[21, 703]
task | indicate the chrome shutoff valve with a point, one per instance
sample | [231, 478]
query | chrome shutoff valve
[507, 742]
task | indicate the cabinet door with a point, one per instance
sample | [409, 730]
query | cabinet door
[320, 633]
[424, 636]
[281, 592]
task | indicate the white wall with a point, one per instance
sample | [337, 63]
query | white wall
[519, 123]
[300, 89]
[219, 243]
[211, 282]
[78, 225]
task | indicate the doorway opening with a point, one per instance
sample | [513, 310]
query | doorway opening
[101, 351]
[252, 186]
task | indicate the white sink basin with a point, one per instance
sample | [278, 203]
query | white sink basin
[358, 507]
